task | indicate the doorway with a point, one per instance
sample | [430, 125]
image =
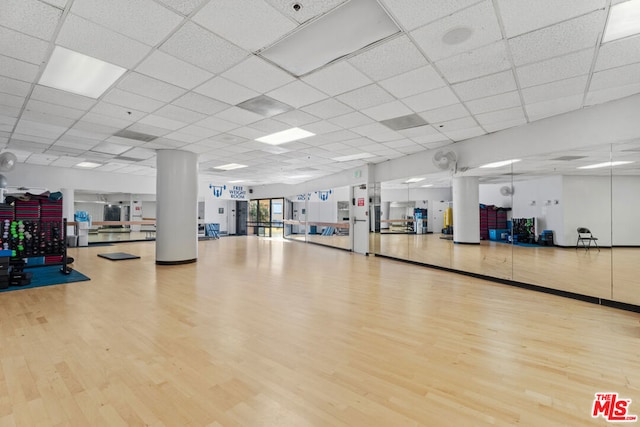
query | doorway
[242, 217]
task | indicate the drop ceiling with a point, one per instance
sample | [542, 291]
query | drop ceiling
[192, 64]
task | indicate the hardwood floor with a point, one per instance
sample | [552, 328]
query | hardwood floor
[268, 332]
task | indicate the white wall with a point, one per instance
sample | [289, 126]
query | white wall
[490, 195]
[587, 203]
[149, 209]
[212, 215]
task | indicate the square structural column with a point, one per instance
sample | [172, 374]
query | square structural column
[466, 216]
[177, 207]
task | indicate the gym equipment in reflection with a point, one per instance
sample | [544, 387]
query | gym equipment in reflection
[524, 230]
[212, 231]
[493, 218]
[585, 235]
[420, 216]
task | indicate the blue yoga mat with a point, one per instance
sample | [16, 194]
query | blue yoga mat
[49, 275]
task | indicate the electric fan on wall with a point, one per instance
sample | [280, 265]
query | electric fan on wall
[7, 163]
[445, 160]
[506, 190]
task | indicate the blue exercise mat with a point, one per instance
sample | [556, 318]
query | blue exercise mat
[49, 275]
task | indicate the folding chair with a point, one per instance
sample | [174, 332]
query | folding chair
[585, 235]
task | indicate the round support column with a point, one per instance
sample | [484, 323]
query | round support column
[177, 207]
[68, 208]
[466, 216]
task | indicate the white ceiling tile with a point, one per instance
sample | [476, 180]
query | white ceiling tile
[476, 63]
[568, 36]
[27, 127]
[482, 21]
[614, 77]
[619, 52]
[30, 17]
[486, 86]
[198, 131]
[183, 6]
[139, 153]
[309, 10]
[217, 124]
[47, 108]
[197, 46]
[456, 124]
[178, 113]
[66, 162]
[327, 109]
[493, 103]
[337, 78]
[413, 13]
[131, 100]
[200, 103]
[55, 96]
[142, 20]
[14, 87]
[321, 127]
[106, 120]
[297, 94]
[455, 111]
[150, 87]
[29, 143]
[495, 127]
[162, 122]
[340, 135]
[247, 132]
[508, 115]
[351, 120]
[85, 37]
[15, 69]
[366, 97]
[9, 111]
[389, 59]
[462, 134]
[91, 131]
[40, 159]
[172, 70]
[541, 110]
[74, 142]
[226, 91]
[162, 143]
[239, 115]
[431, 100]
[605, 95]
[111, 148]
[12, 100]
[523, 16]
[251, 24]
[377, 132]
[21, 46]
[574, 64]
[257, 74]
[269, 126]
[296, 118]
[413, 82]
[386, 111]
[559, 89]
[148, 129]
[51, 119]
[401, 143]
[184, 138]
[118, 111]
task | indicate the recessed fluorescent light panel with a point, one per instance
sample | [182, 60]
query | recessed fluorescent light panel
[500, 164]
[351, 157]
[605, 165]
[426, 185]
[80, 74]
[88, 165]
[346, 29]
[237, 181]
[284, 136]
[412, 180]
[230, 167]
[624, 21]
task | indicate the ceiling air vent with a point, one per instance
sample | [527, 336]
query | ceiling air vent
[569, 158]
[129, 134]
[404, 122]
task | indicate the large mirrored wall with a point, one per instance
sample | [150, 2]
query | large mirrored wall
[320, 217]
[529, 213]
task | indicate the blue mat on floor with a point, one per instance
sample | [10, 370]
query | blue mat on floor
[48, 275]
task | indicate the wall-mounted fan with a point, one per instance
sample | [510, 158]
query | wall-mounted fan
[507, 190]
[7, 161]
[445, 160]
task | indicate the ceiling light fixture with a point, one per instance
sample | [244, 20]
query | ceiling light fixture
[284, 136]
[230, 166]
[88, 165]
[351, 157]
[605, 165]
[348, 28]
[412, 180]
[623, 21]
[500, 164]
[80, 74]
[426, 185]
[237, 181]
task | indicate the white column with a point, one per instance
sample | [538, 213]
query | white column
[68, 208]
[177, 207]
[466, 216]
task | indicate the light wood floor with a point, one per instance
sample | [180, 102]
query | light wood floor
[267, 332]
